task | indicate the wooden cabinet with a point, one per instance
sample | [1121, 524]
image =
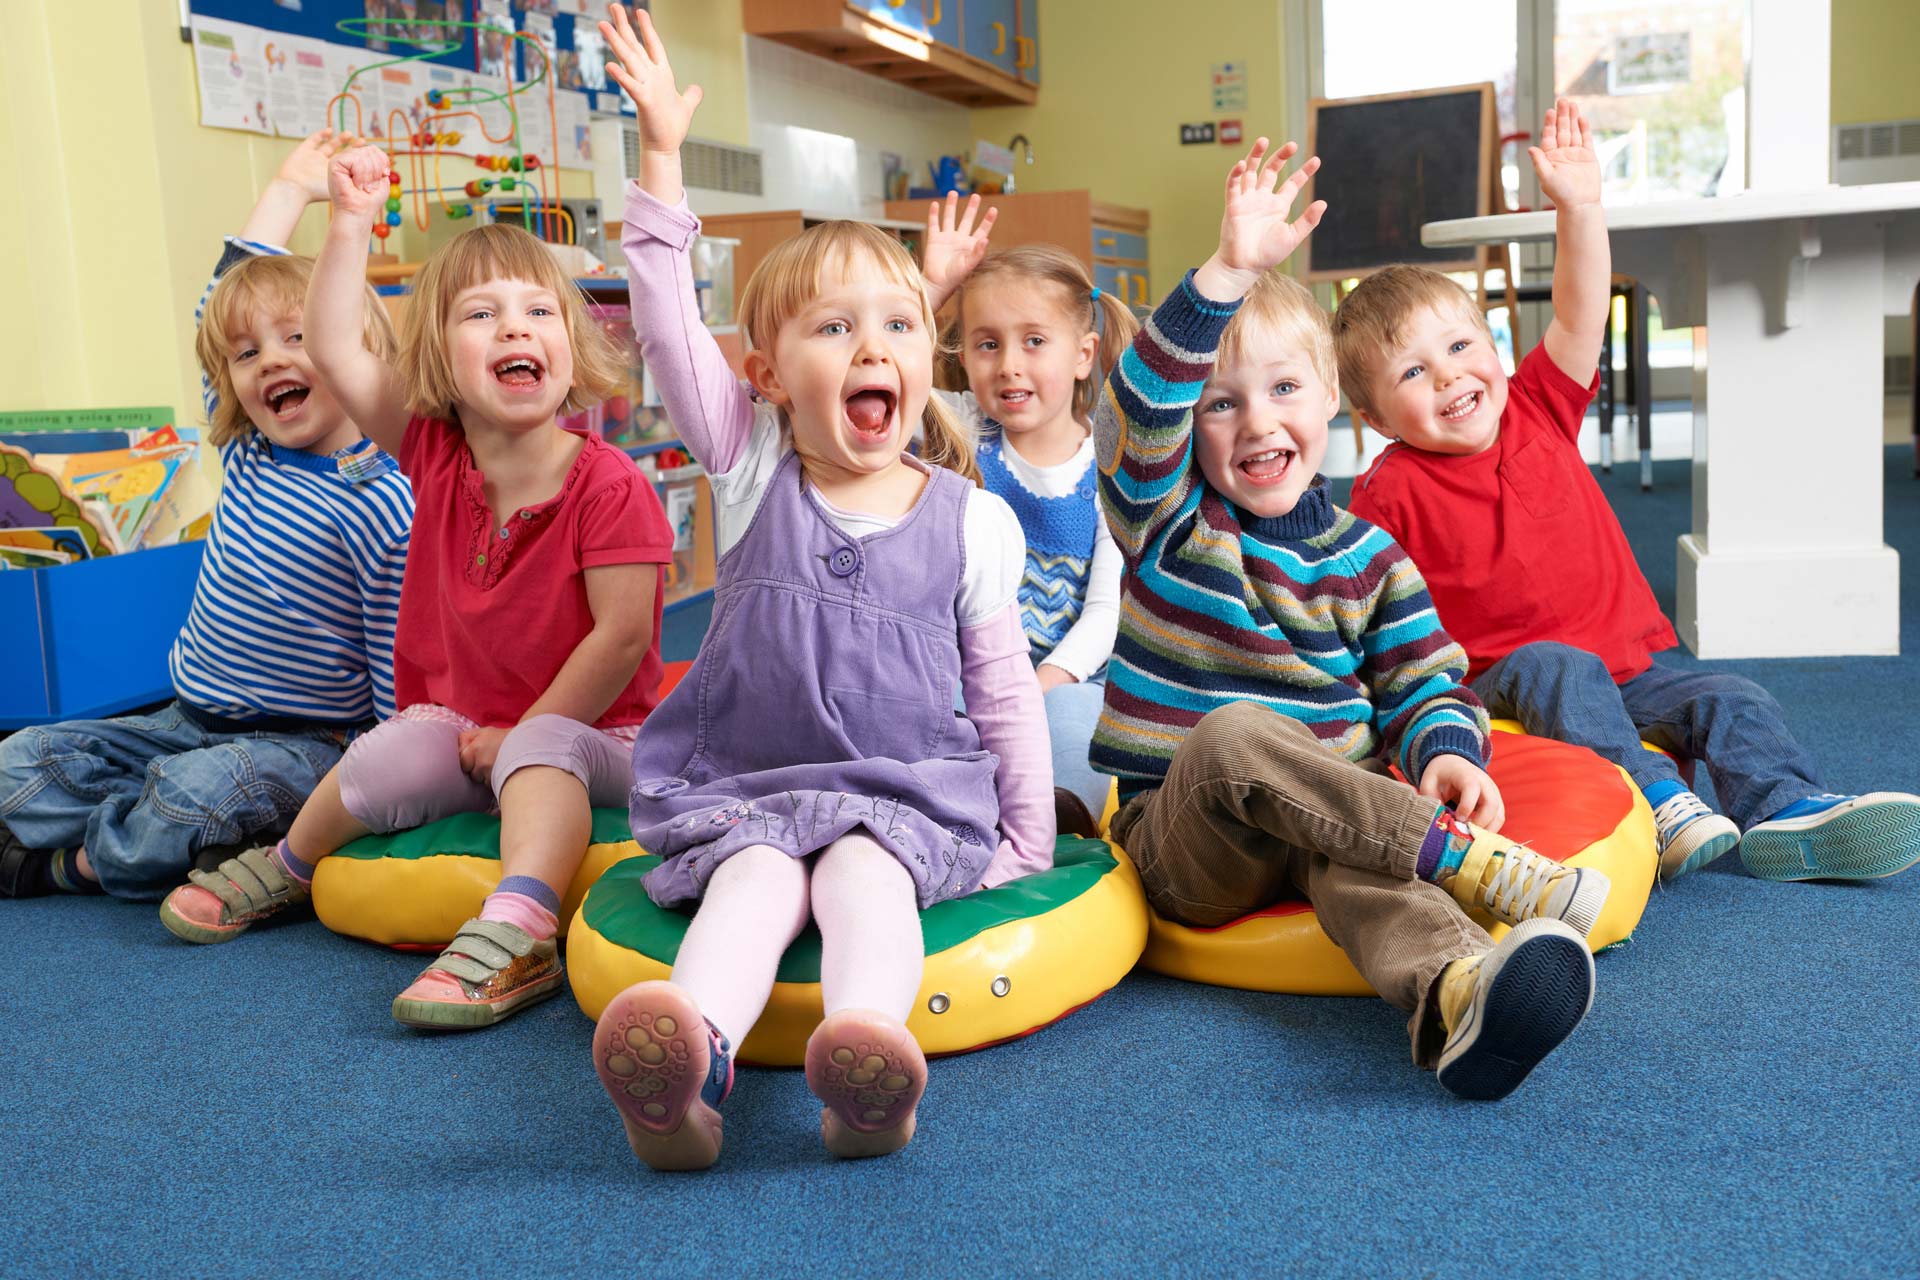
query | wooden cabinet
[940, 47]
[758, 233]
[1110, 239]
[1026, 61]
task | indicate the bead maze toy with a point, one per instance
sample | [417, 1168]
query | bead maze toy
[419, 140]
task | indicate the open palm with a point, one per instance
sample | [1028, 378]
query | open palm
[1565, 162]
[642, 70]
[1256, 232]
[954, 246]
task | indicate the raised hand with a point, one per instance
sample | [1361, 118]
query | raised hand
[1255, 231]
[954, 245]
[1565, 162]
[357, 183]
[305, 167]
[642, 70]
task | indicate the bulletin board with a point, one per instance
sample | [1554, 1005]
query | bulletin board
[569, 28]
[1388, 165]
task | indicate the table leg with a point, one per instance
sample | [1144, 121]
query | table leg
[1787, 556]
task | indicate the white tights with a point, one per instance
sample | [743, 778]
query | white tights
[757, 902]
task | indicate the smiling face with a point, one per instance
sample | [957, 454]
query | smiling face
[276, 387]
[1260, 428]
[1440, 388]
[508, 350]
[1024, 352]
[852, 367]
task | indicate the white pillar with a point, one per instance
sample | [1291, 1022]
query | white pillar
[1789, 83]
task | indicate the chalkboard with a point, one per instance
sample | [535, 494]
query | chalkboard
[1389, 164]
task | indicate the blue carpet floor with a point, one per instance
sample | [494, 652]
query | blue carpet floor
[1742, 1100]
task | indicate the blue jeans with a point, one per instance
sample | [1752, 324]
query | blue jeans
[1072, 712]
[1726, 722]
[144, 794]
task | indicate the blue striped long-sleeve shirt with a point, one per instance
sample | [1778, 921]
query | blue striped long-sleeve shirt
[299, 591]
[1315, 614]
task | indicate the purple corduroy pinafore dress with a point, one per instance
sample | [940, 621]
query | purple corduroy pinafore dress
[822, 702]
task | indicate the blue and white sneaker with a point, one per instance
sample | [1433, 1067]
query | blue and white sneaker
[1528, 995]
[1830, 837]
[1691, 835]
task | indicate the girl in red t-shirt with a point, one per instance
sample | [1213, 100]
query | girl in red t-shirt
[526, 656]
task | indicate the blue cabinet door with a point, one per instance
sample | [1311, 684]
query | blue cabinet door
[1027, 59]
[901, 13]
[943, 21]
[992, 28]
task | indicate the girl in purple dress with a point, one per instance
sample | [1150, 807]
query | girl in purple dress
[811, 765]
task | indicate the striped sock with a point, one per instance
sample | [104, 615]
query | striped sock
[63, 868]
[526, 903]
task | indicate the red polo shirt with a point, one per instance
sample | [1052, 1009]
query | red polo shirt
[1517, 543]
[489, 616]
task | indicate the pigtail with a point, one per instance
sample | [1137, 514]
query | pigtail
[1117, 326]
[945, 442]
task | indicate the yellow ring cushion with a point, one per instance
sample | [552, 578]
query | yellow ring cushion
[414, 889]
[1562, 801]
[1001, 963]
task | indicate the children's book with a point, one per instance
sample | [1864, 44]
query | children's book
[39, 511]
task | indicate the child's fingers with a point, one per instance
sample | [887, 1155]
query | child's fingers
[624, 80]
[968, 214]
[1299, 178]
[987, 220]
[947, 210]
[655, 50]
[1304, 224]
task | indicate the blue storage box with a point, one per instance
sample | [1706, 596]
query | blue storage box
[81, 641]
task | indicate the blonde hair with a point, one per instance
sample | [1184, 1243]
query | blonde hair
[475, 256]
[1280, 313]
[789, 278]
[276, 282]
[1050, 265]
[1372, 320]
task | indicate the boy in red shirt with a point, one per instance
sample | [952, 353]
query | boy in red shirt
[1529, 569]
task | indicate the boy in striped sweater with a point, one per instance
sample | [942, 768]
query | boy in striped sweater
[1275, 653]
[288, 645]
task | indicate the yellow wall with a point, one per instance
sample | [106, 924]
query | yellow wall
[1876, 60]
[1118, 78]
[115, 219]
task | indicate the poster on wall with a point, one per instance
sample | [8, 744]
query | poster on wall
[231, 60]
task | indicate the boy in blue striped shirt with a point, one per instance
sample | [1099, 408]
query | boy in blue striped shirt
[288, 645]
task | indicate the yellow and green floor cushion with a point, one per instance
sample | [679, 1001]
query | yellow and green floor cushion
[414, 889]
[1001, 963]
[1562, 801]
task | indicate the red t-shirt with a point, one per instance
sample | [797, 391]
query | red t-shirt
[488, 617]
[1517, 543]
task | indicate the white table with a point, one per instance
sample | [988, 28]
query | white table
[1787, 556]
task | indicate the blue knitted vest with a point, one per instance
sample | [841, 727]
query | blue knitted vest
[1060, 532]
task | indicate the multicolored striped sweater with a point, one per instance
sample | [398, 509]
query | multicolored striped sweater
[1315, 613]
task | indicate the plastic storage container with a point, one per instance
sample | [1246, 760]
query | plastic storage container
[86, 640]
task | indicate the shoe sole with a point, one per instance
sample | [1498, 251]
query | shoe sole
[870, 1073]
[1543, 989]
[1875, 839]
[1718, 847]
[651, 1052]
[192, 931]
[442, 1015]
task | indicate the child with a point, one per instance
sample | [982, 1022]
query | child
[525, 656]
[1486, 488]
[288, 644]
[1272, 645]
[811, 765]
[1037, 340]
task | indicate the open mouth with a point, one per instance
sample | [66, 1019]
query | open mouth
[870, 412]
[285, 397]
[521, 373]
[1463, 408]
[1268, 468]
[1016, 398]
